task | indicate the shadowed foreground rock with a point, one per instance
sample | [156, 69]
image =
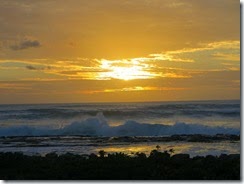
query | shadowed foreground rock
[119, 166]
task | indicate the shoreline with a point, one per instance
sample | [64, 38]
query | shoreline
[192, 144]
[176, 137]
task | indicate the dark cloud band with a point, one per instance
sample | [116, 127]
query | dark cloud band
[26, 44]
[30, 67]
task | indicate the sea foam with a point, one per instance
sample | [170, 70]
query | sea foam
[98, 126]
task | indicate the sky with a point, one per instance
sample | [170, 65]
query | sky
[59, 51]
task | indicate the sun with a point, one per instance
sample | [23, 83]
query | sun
[124, 70]
[128, 73]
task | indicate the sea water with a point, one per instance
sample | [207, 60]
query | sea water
[120, 119]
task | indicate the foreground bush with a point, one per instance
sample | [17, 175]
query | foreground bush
[118, 166]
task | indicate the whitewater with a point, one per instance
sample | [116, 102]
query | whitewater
[121, 119]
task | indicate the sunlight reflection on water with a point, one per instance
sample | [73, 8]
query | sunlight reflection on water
[192, 148]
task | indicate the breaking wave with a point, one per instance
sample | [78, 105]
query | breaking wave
[98, 126]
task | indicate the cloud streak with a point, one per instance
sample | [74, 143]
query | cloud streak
[131, 89]
[31, 67]
[177, 64]
[26, 45]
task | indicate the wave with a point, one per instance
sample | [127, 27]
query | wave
[98, 126]
[131, 112]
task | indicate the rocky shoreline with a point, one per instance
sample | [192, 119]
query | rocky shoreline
[119, 166]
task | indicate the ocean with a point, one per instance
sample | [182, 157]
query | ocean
[85, 128]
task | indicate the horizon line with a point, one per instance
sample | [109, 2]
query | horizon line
[107, 102]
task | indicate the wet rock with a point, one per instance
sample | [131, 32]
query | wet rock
[180, 157]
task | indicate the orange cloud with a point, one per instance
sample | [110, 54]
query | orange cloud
[14, 86]
[131, 89]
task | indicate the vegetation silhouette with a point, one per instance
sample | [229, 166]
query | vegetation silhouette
[119, 166]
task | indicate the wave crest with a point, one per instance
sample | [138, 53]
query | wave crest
[98, 126]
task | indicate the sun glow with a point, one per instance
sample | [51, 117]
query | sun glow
[128, 73]
[125, 70]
